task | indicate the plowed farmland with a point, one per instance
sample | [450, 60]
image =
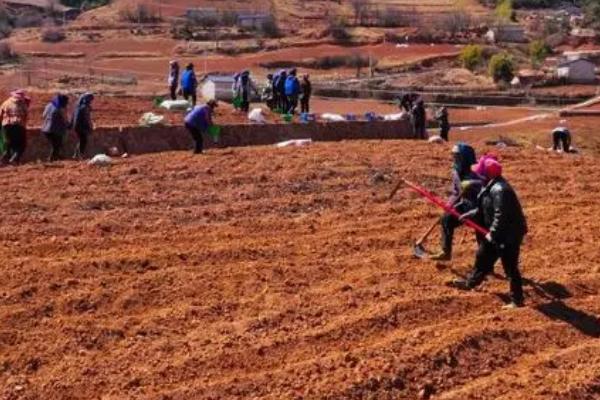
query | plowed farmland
[263, 273]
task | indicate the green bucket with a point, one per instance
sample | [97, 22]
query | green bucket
[158, 101]
[237, 102]
[287, 117]
[215, 132]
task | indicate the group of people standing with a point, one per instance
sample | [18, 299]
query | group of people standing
[186, 85]
[288, 91]
[14, 115]
[414, 105]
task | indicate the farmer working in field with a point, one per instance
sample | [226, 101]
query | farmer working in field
[244, 87]
[56, 124]
[561, 138]
[419, 116]
[189, 83]
[267, 94]
[292, 91]
[82, 123]
[463, 196]
[444, 122]
[198, 121]
[306, 92]
[173, 79]
[279, 83]
[13, 117]
[498, 210]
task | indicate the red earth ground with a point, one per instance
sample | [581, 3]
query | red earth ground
[263, 273]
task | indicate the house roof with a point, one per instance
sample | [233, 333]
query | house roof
[44, 4]
[570, 62]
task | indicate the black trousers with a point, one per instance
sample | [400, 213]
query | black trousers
[197, 136]
[190, 94]
[56, 143]
[485, 259]
[450, 223]
[444, 131]
[283, 103]
[82, 144]
[245, 106]
[15, 142]
[292, 104]
[305, 104]
[561, 138]
[173, 92]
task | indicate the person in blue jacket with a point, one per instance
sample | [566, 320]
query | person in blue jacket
[82, 123]
[292, 91]
[198, 121]
[55, 125]
[189, 83]
[279, 84]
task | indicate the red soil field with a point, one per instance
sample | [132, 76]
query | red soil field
[263, 273]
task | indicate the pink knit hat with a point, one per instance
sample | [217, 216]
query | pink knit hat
[488, 167]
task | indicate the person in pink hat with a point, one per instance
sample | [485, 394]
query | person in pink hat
[498, 210]
[14, 114]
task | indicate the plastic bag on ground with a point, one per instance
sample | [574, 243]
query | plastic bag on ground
[395, 117]
[436, 140]
[294, 143]
[100, 160]
[151, 119]
[256, 115]
[175, 105]
[332, 117]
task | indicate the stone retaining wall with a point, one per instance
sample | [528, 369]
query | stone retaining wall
[139, 140]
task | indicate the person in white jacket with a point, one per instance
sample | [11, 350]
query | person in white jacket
[173, 79]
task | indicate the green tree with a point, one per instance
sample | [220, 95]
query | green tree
[504, 10]
[471, 56]
[538, 51]
[502, 67]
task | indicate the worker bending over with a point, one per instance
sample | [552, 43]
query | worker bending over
[198, 121]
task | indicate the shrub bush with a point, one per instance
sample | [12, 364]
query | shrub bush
[140, 13]
[538, 51]
[269, 28]
[53, 35]
[338, 31]
[471, 56]
[502, 67]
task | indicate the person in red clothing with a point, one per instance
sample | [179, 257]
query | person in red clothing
[13, 117]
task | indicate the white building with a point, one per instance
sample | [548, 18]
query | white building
[577, 71]
[217, 87]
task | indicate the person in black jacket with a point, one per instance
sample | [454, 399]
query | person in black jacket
[56, 124]
[444, 122]
[82, 123]
[305, 93]
[500, 211]
[419, 116]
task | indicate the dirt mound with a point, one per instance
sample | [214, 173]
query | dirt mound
[283, 274]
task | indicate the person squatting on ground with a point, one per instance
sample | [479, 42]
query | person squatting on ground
[498, 210]
[244, 87]
[82, 123]
[561, 138]
[463, 196]
[55, 125]
[189, 84]
[292, 91]
[198, 121]
[173, 79]
[13, 117]
[419, 116]
[444, 122]
[305, 93]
